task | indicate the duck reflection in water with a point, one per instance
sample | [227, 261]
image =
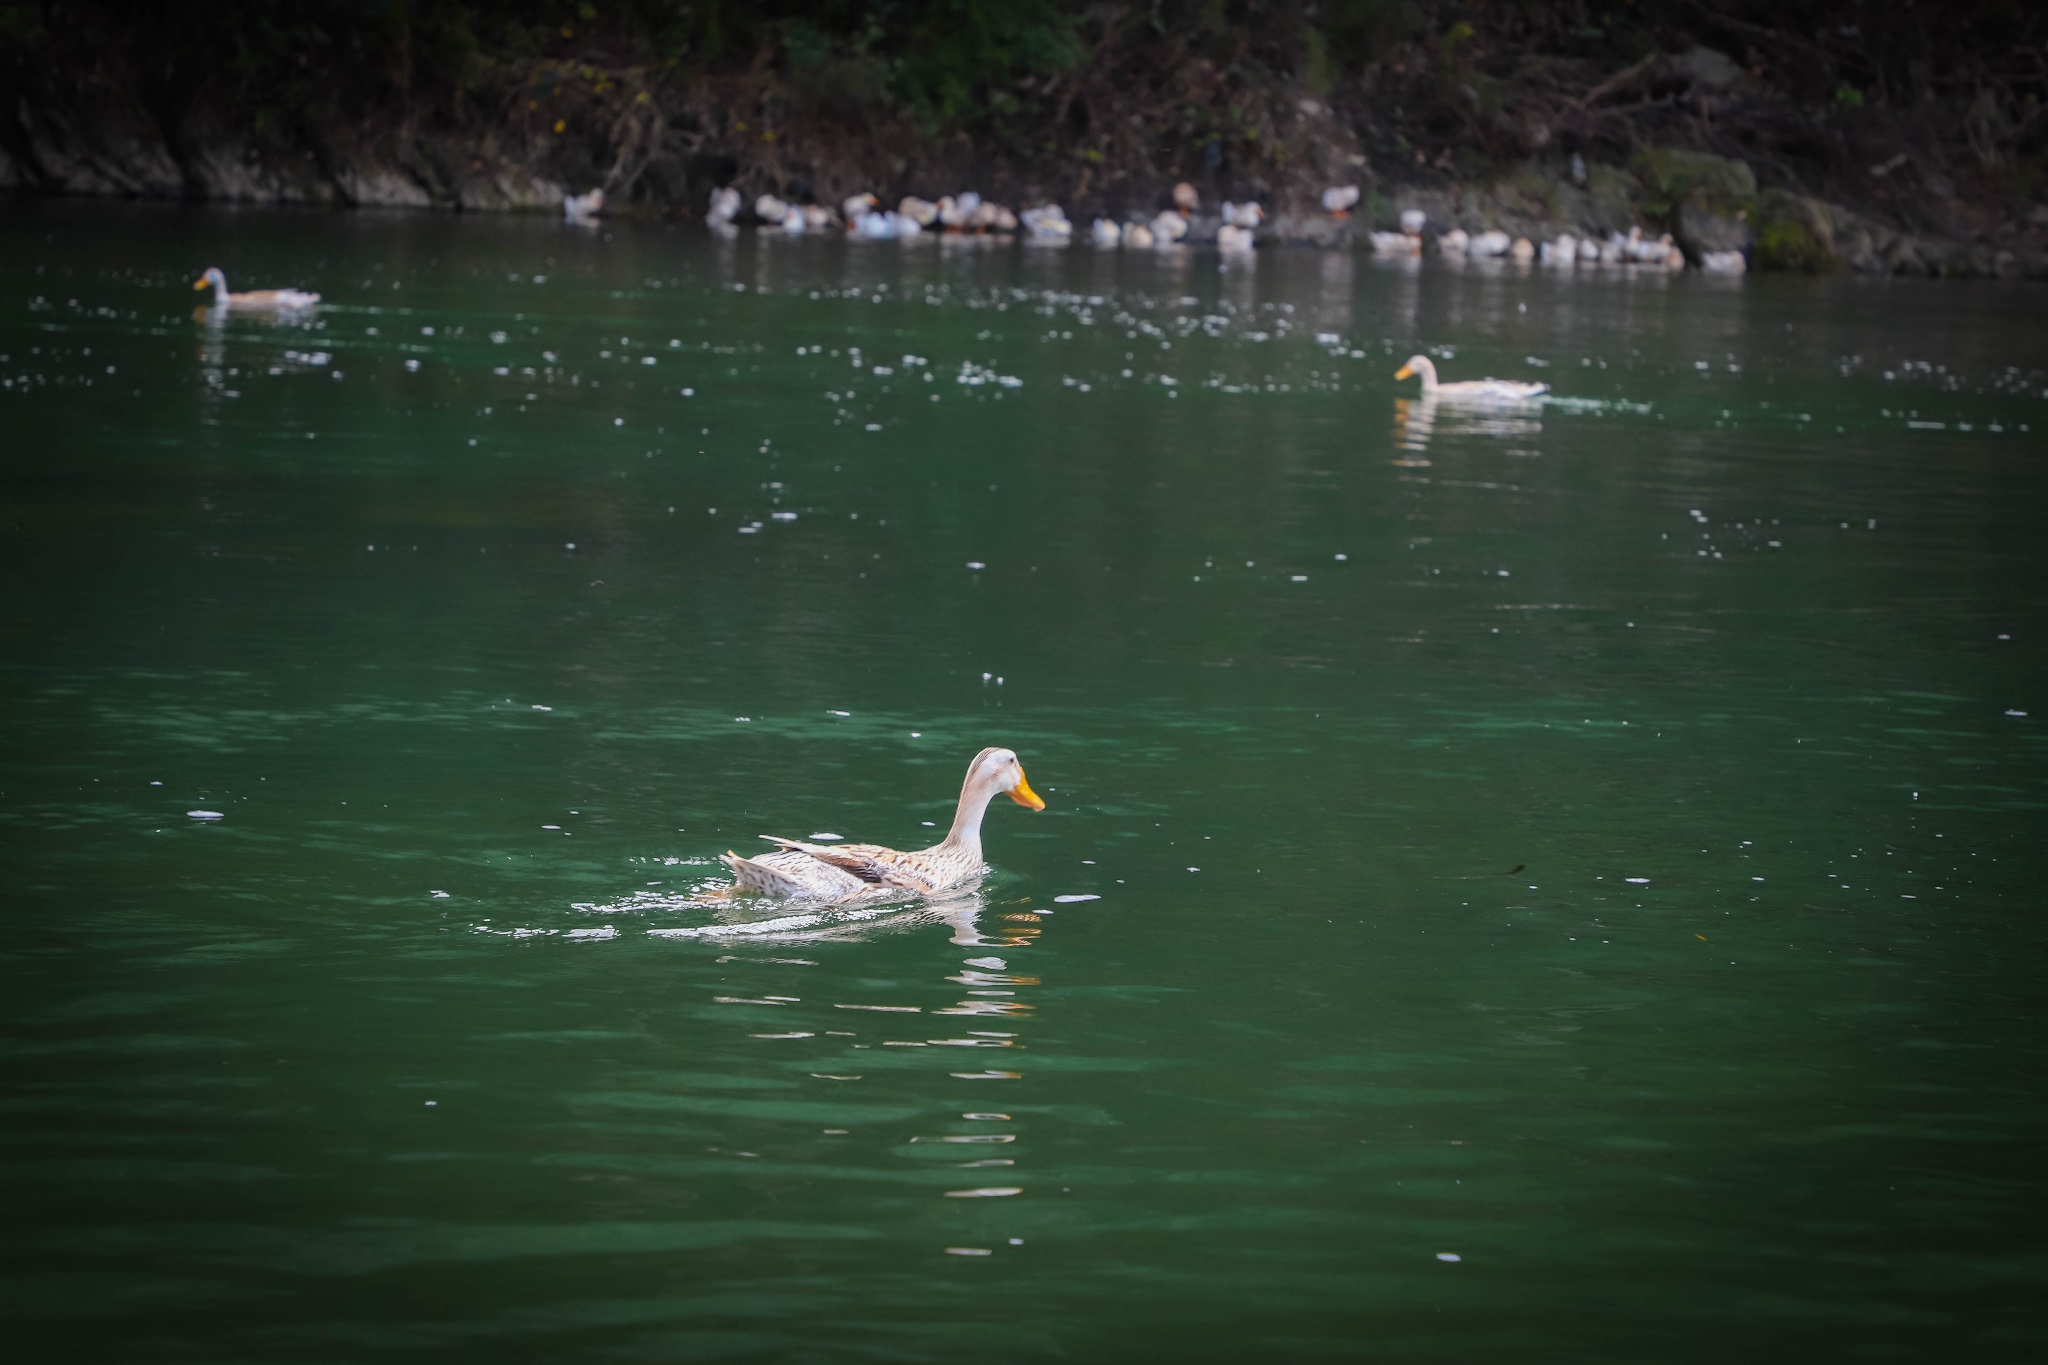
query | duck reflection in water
[1418, 420]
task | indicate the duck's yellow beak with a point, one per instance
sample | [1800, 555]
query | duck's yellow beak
[1403, 372]
[199, 284]
[1024, 796]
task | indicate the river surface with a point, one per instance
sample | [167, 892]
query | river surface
[1550, 884]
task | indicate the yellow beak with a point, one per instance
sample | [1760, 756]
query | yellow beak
[199, 284]
[1403, 372]
[1024, 796]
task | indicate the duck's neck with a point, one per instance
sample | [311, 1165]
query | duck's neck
[220, 290]
[966, 832]
[1428, 373]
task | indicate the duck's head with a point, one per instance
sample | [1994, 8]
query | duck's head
[997, 770]
[212, 279]
[1416, 364]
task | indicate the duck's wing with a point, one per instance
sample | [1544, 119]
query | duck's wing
[789, 873]
[872, 863]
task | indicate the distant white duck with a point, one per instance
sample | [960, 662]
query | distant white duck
[1456, 242]
[1723, 262]
[923, 212]
[1185, 198]
[904, 225]
[1492, 242]
[1413, 221]
[1563, 251]
[1394, 244]
[1169, 227]
[770, 210]
[583, 208]
[957, 215]
[1338, 200]
[1243, 215]
[1105, 234]
[794, 222]
[272, 300]
[1048, 225]
[1138, 237]
[817, 216]
[857, 207]
[1468, 390]
[1522, 252]
[1233, 240]
[725, 206]
[874, 226]
[1589, 250]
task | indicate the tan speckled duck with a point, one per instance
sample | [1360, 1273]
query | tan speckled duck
[844, 871]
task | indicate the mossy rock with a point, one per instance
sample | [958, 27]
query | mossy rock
[1613, 195]
[1670, 176]
[1794, 233]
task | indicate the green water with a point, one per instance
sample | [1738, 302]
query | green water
[1599, 844]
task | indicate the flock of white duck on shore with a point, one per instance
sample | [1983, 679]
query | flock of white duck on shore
[863, 216]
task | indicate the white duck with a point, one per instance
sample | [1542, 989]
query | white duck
[1339, 199]
[1048, 226]
[274, 300]
[1106, 235]
[725, 206]
[844, 871]
[1468, 390]
[583, 208]
[1394, 244]
[1169, 227]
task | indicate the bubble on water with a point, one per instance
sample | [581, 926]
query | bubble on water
[438, 895]
[1638, 881]
[826, 838]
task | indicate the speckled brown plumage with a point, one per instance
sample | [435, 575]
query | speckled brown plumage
[847, 871]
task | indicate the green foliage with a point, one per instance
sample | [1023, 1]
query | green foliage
[1848, 96]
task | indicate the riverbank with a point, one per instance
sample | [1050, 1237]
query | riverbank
[1806, 144]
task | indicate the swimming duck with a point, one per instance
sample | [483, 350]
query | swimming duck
[582, 208]
[842, 871]
[274, 299]
[1468, 390]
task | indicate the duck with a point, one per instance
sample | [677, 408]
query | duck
[1106, 235]
[844, 871]
[1492, 242]
[1468, 390]
[274, 299]
[770, 210]
[1048, 226]
[923, 212]
[1138, 236]
[1563, 251]
[1454, 243]
[1522, 252]
[1169, 227]
[1339, 199]
[1394, 244]
[857, 207]
[582, 208]
[1186, 199]
[725, 206]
